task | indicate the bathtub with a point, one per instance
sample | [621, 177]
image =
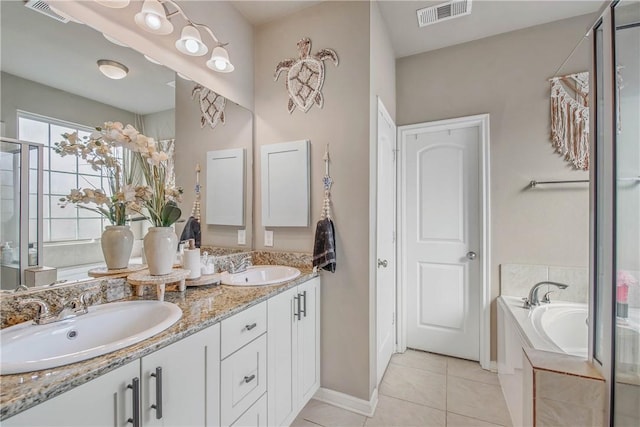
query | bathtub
[559, 327]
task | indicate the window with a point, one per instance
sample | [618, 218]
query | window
[61, 174]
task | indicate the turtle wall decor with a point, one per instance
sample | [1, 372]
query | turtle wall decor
[211, 106]
[305, 76]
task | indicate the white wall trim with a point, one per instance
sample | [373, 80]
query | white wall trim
[482, 122]
[348, 402]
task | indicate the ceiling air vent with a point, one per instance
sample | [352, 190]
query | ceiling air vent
[443, 12]
[42, 7]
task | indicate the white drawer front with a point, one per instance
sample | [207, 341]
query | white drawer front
[256, 416]
[242, 328]
[243, 378]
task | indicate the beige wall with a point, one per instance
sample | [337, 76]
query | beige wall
[344, 124]
[506, 76]
[192, 144]
[27, 95]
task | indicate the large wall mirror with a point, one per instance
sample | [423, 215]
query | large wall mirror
[51, 84]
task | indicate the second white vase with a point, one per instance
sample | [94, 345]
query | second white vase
[160, 245]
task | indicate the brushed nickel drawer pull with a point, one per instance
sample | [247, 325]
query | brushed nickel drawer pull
[251, 326]
[249, 378]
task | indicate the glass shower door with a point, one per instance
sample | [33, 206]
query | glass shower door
[626, 410]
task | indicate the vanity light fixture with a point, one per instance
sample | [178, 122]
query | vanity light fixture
[112, 69]
[190, 42]
[155, 17]
[220, 60]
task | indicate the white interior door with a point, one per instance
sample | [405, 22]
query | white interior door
[385, 246]
[441, 238]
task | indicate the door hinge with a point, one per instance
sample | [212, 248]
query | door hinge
[395, 153]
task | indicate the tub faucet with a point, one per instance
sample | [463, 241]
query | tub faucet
[532, 300]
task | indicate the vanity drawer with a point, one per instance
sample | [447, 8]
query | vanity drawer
[243, 377]
[256, 416]
[242, 328]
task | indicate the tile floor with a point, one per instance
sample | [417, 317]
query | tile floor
[423, 389]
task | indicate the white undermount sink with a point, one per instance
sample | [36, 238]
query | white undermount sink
[105, 328]
[261, 275]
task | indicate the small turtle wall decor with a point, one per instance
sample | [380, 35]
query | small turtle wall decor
[305, 76]
[211, 106]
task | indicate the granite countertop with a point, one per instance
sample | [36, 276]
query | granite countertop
[201, 307]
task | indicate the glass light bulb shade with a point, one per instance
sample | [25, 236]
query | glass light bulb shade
[114, 4]
[220, 60]
[153, 18]
[112, 69]
[190, 42]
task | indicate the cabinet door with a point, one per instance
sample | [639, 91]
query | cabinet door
[174, 382]
[105, 401]
[282, 358]
[309, 340]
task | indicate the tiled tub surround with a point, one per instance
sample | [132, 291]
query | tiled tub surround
[201, 308]
[561, 390]
[542, 386]
[517, 279]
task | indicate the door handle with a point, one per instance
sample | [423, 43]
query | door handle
[135, 387]
[158, 405]
[471, 255]
[382, 263]
[296, 303]
[304, 306]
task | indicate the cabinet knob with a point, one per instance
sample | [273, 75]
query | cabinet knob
[382, 263]
[471, 255]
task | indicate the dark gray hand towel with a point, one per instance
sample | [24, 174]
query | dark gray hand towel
[324, 248]
[191, 231]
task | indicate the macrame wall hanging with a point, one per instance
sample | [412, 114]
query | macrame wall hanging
[570, 118]
[305, 76]
[211, 106]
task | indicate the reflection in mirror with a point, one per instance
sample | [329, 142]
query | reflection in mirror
[51, 85]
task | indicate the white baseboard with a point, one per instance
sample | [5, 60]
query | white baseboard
[348, 402]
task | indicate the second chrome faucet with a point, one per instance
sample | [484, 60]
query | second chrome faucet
[72, 308]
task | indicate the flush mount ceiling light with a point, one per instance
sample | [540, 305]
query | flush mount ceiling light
[155, 17]
[220, 60]
[190, 42]
[112, 69]
[114, 4]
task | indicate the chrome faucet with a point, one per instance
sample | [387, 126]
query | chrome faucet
[241, 266]
[532, 300]
[72, 308]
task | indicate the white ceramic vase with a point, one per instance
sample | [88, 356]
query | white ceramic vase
[117, 243]
[160, 246]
